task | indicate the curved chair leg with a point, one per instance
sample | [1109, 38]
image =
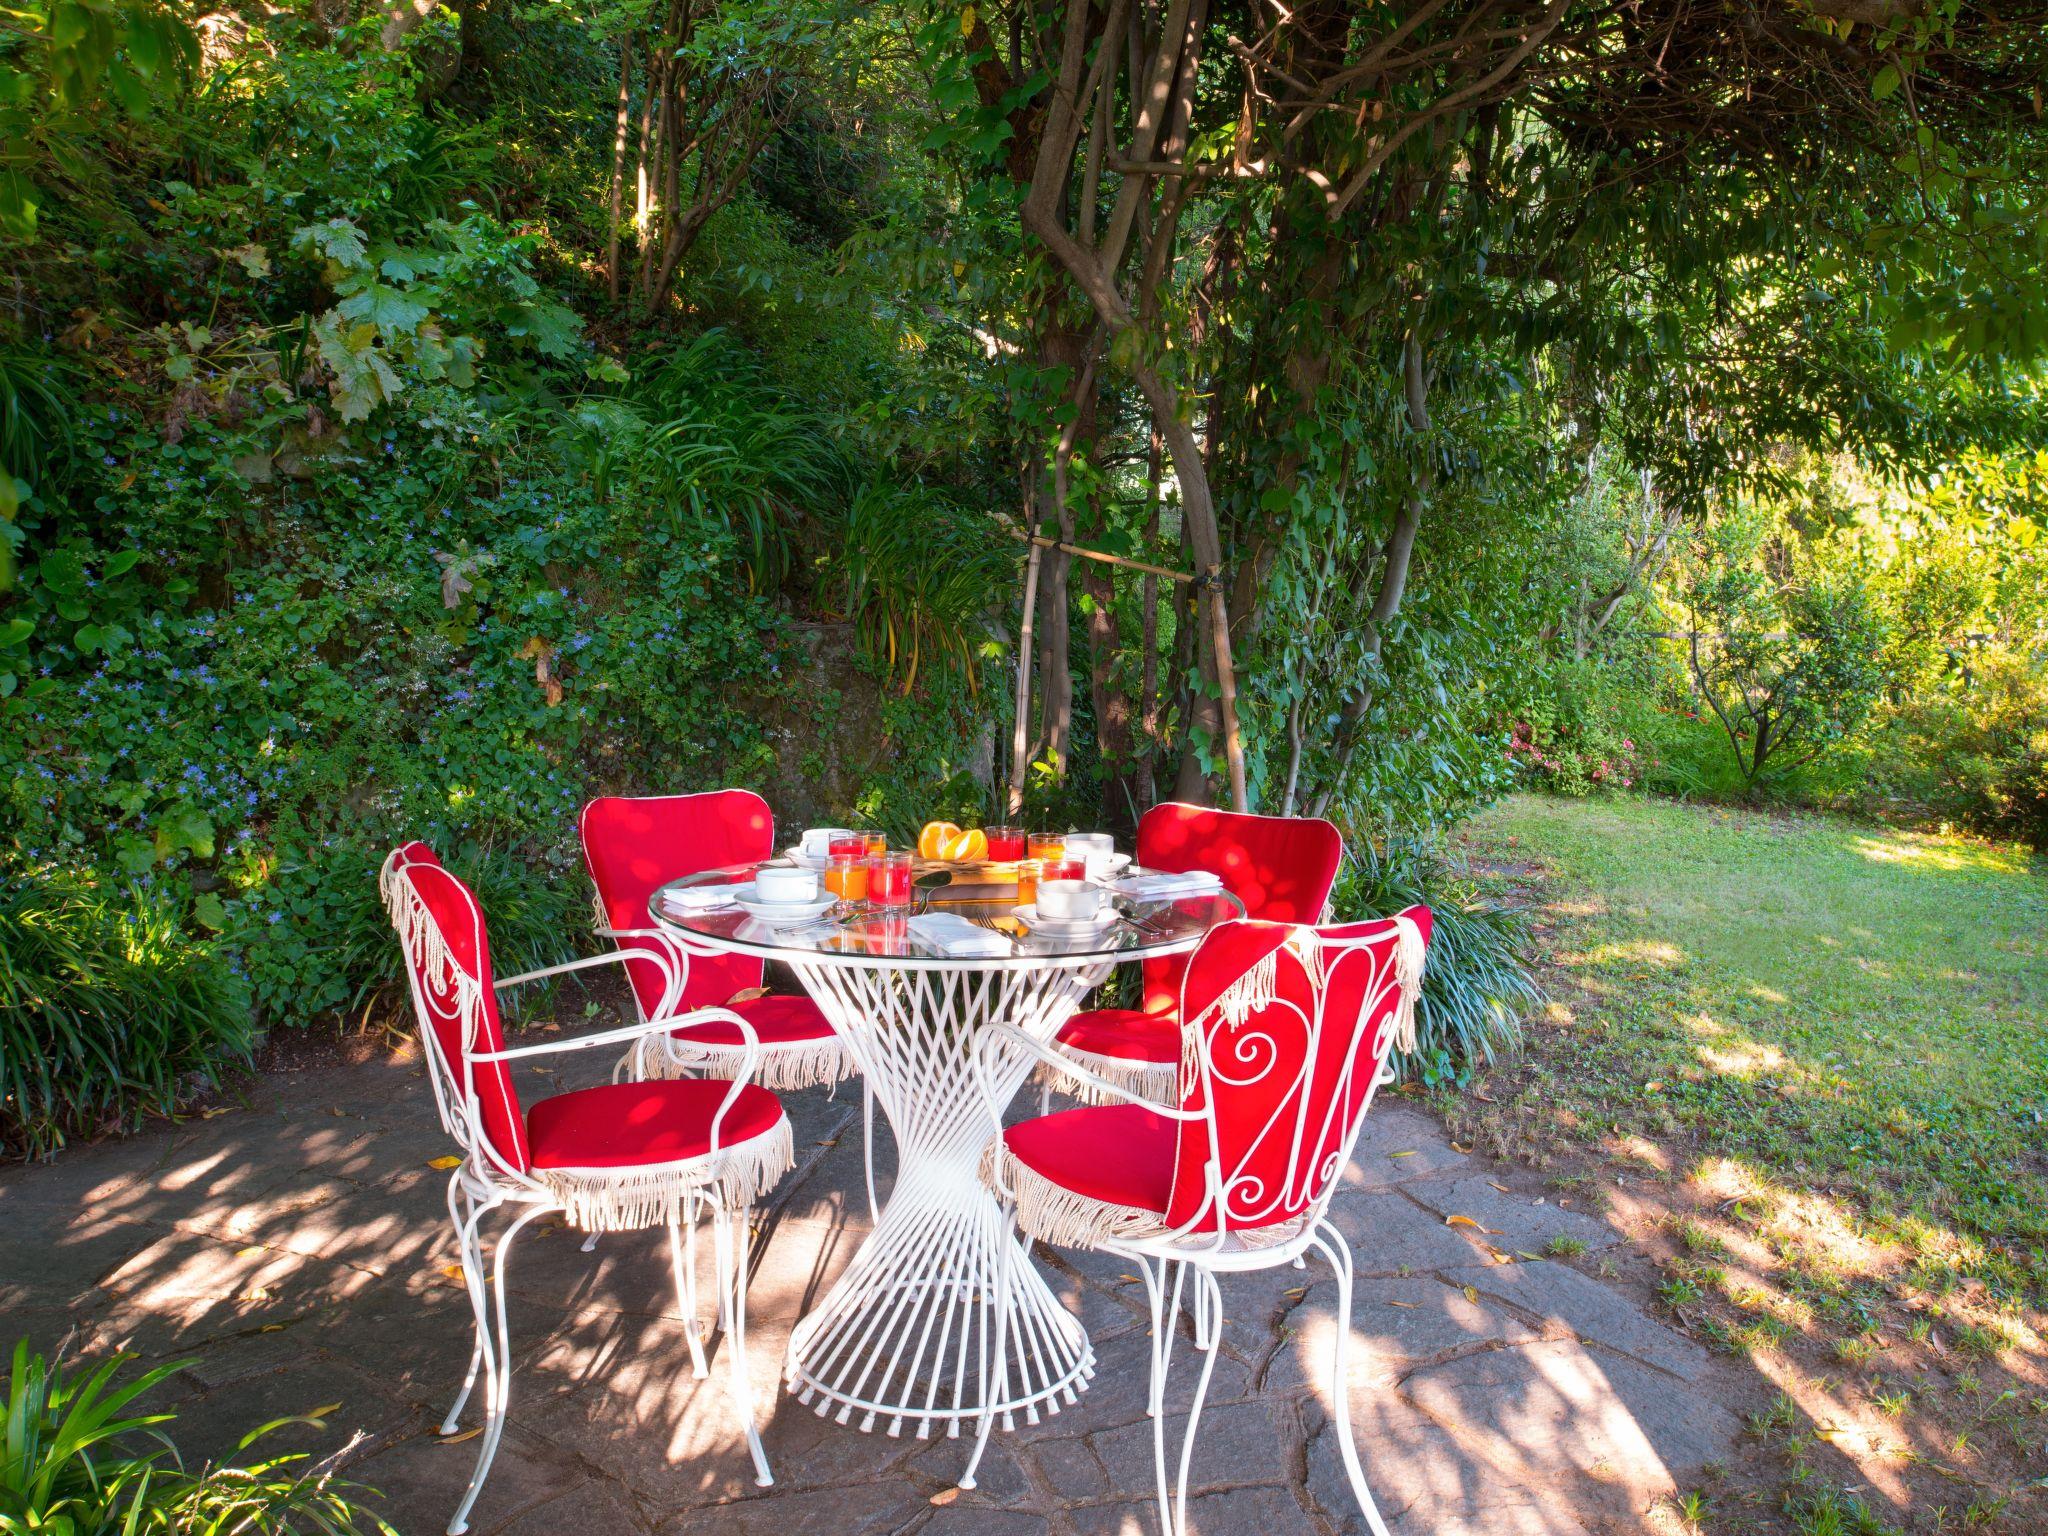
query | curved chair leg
[466, 1215]
[1338, 1252]
[730, 1250]
[682, 1259]
[867, 1144]
[500, 1380]
[995, 1377]
[1208, 1309]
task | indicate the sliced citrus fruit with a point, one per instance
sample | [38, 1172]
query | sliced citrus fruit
[964, 847]
[933, 837]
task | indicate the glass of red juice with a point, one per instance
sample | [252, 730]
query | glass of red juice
[1005, 844]
[889, 879]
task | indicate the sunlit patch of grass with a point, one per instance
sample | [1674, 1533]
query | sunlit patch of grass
[1832, 1112]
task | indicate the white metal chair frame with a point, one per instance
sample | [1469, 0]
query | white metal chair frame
[485, 1180]
[1175, 1252]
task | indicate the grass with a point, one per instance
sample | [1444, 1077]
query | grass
[1863, 1010]
[1821, 1049]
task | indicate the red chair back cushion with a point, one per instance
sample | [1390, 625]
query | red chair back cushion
[454, 913]
[633, 846]
[1291, 1080]
[1280, 867]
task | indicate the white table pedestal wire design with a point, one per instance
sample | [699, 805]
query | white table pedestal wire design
[905, 1334]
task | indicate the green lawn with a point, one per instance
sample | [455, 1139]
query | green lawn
[1858, 1010]
[1812, 1059]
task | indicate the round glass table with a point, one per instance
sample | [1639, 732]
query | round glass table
[906, 1333]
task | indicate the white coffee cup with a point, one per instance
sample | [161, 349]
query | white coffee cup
[785, 884]
[817, 841]
[1069, 901]
[1081, 844]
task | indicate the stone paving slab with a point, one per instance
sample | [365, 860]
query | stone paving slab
[295, 1253]
[1593, 1311]
[1512, 1221]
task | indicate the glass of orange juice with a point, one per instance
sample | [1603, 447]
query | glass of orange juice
[877, 844]
[1027, 881]
[1047, 845]
[846, 876]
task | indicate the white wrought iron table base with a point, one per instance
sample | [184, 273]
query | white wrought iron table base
[905, 1335]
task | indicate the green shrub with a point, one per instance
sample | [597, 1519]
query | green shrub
[76, 1461]
[109, 1009]
[1977, 753]
[1477, 987]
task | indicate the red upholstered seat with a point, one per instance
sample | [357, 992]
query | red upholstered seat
[645, 1125]
[1126, 1033]
[776, 1021]
[1121, 1154]
[1280, 867]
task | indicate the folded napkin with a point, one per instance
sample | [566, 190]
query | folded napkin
[702, 898]
[1193, 882]
[951, 934]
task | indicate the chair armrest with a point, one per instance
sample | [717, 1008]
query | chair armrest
[610, 957]
[625, 1032]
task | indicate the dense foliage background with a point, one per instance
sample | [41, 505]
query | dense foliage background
[413, 421]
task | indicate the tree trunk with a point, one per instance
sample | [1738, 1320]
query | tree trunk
[615, 208]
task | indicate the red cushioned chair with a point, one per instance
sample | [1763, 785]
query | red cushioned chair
[1280, 867]
[623, 1156]
[632, 847]
[1290, 1029]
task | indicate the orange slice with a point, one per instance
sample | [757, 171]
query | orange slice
[964, 847]
[933, 838]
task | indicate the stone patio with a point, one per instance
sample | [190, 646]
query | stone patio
[295, 1253]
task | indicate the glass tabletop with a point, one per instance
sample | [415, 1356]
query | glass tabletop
[962, 916]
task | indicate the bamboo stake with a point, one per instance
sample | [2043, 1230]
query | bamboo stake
[1024, 641]
[1043, 542]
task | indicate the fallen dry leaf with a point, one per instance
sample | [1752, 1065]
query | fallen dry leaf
[1297, 1293]
[461, 1435]
[248, 1253]
[445, 1163]
[1501, 1187]
[1463, 1221]
[1472, 1294]
[945, 1496]
[452, 1272]
[1405, 1306]
[1409, 1153]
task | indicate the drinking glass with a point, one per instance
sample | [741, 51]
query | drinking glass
[851, 844]
[1006, 845]
[846, 876]
[1062, 869]
[1027, 882]
[889, 879]
[1047, 845]
[877, 844]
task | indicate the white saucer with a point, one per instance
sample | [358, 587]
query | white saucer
[803, 860]
[784, 912]
[1028, 916]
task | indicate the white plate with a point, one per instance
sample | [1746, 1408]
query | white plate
[785, 912]
[1028, 916]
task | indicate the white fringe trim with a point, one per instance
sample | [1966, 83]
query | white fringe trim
[1252, 993]
[1157, 1082]
[778, 1068]
[1059, 1216]
[624, 1200]
[1410, 955]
